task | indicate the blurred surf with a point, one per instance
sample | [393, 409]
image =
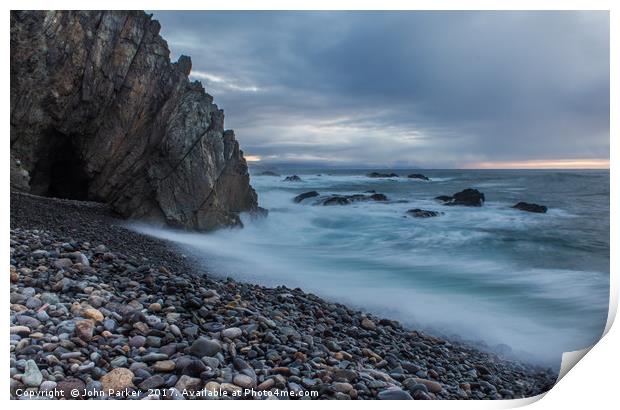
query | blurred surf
[528, 285]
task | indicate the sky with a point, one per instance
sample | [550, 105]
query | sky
[405, 89]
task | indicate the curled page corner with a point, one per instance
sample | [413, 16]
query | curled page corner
[570, 359]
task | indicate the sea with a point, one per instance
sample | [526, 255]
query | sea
[527, 286]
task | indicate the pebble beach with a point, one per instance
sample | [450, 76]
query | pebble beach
[101, 312]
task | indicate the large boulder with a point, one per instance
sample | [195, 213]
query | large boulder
[418, 176]
[525, 206]
[467, 197]
[99, 112]
[292, 178]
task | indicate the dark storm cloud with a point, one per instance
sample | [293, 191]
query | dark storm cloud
[409, 88]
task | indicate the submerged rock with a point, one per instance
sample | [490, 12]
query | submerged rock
[422, 213]
[349, 199]
[524, 206]
[418, 176]
[269, 174]
[292, 178]
[378, 197]
[381, 175]
[336, 200]
[305, 195]
[467, 197]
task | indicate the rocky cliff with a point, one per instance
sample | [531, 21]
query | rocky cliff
[99, 112]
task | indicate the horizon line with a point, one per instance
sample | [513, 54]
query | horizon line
[559, 164]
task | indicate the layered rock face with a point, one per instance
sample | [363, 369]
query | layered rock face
[98, 112]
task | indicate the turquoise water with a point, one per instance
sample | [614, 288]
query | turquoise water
[538, 283]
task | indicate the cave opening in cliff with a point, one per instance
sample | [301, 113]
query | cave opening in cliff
[59, 171]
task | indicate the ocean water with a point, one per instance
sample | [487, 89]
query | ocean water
[529, 285]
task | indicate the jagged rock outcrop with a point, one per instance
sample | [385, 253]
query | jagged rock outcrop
[467, 197]
[99, 112]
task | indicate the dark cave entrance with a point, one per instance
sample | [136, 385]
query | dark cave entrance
[59, 171]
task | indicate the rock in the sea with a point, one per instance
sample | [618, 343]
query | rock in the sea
[378, 197]
[467, 197]
[336, 200]
[269, 174]
[349, 199]
[305, 195]
[381, 175]
[117, 380]
[422, 213]
[418, 176]
[99, 112]
[292, 178]
[525, 206]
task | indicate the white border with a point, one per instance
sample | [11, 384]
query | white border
[591, 384]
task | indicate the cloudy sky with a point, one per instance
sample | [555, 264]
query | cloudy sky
[425, 89]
